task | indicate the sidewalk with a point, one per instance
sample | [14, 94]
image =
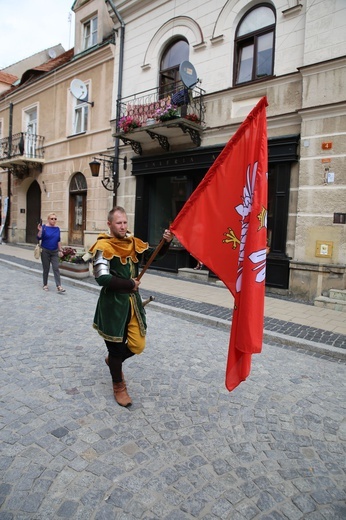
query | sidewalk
[292, 323]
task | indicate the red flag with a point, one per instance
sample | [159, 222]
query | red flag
[224, 225]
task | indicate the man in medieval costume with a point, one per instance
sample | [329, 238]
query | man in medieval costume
[120, 316]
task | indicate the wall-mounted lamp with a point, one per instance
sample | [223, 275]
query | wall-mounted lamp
[95, 167]
[110, 174]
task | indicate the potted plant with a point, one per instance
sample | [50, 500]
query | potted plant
[72, 264]
[167, 112]
[192, 117]
[128, 124]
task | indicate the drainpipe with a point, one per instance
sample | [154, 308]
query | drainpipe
[10, 129]
[119, 95]
[9, 153]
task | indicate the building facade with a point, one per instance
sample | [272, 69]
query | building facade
[51, 129]
[242, 51]
[171, 81]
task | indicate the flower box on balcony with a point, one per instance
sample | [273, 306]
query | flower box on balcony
[193, 118]
[128, 124]
[167, 113]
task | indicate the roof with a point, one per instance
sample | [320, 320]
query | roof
[33, 60]
[35, 72]
[52, 64]
[9, 79]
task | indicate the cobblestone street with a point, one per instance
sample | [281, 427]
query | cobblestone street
[274, 448]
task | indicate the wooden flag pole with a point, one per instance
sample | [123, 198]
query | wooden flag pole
[151, 259]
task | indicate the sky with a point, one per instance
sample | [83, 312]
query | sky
[30, 26]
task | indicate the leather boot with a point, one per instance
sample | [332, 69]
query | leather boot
[122, 373]
[120, 394]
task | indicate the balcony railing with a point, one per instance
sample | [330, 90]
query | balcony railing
[22, 153]
[149, 104]
[24, 144]
[174, 114]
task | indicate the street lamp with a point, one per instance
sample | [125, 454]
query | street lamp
[109, 170]
[95, 167]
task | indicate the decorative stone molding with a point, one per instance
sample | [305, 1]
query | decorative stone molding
[293, 10]
[217, 39]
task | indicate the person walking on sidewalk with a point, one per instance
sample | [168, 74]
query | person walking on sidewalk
[49, 234]
[120, 316]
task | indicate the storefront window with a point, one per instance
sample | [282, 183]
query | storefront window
[167, 196]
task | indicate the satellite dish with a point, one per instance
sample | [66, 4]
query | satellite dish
[188, 74]
[52, 53]
[78, 89]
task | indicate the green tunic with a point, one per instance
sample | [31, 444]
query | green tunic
[113, 307]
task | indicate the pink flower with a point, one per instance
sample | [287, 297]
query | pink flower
[129, 123]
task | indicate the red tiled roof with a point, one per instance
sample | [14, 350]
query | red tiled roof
[47, 67]
[55, 62]
[9, 79]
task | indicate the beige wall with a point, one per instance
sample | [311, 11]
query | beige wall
[84, 11]
[65, 154]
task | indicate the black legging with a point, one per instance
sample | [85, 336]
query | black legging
[117, 354]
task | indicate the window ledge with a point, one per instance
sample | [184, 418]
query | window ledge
[293, 10]
[217, 39]
[258, 80]
[75, 135]
[199, 46]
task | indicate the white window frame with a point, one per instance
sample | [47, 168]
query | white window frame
[30, 129]
[90, 33]
[80, 115]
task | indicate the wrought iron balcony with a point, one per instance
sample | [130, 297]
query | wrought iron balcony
[21, 153]
[173, 116]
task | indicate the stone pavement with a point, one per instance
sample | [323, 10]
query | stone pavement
[291, 322]
[274, 448]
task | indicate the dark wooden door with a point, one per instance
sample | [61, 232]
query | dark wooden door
[77, 218]
[77, 210]
[33, 212]
[278, 200]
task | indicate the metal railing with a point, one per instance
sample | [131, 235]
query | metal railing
[23, 144]
[153, 103]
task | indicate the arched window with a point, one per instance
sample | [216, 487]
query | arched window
[78, 183]
[254, 45]
[173, 56]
